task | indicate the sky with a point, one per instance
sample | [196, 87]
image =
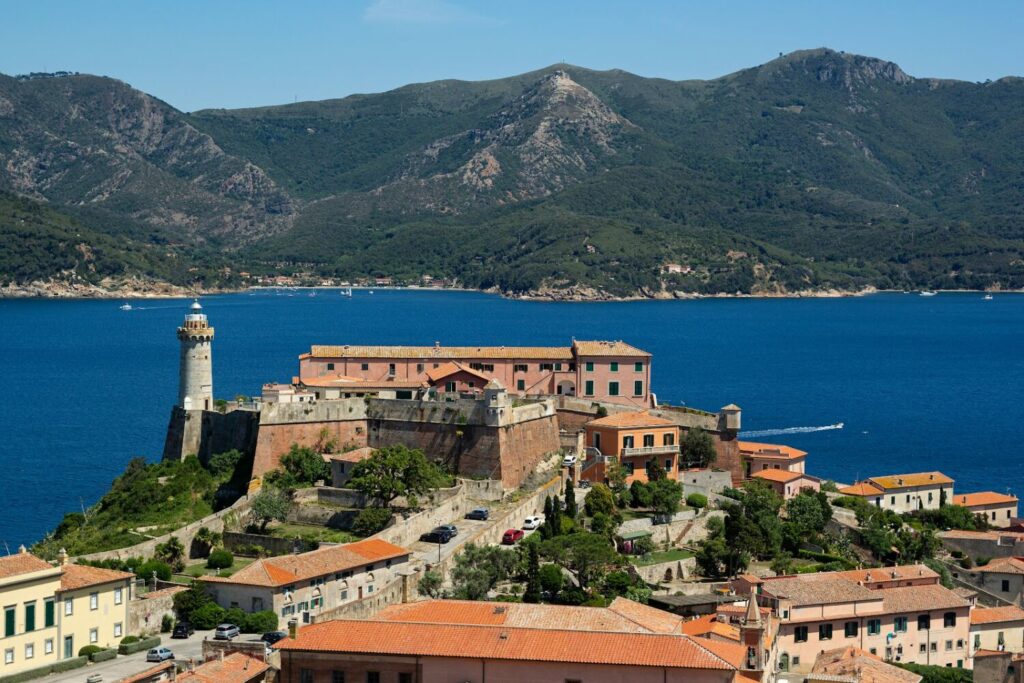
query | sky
[228, 53]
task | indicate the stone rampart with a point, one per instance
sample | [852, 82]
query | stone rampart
[146, 612]
[307, 424]
[207, 432]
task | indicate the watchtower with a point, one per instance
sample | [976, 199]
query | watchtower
[195, 388]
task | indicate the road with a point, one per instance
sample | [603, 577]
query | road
[128, 665]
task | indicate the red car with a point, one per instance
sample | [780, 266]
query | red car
[512, 535]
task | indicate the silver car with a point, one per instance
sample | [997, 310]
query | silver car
[159, 654]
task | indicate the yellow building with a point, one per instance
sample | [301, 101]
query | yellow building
[50, 612]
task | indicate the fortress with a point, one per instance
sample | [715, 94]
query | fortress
[452, 402]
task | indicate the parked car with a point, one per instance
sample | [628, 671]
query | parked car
[159, 654]
[512, 536]
[533, 522]
[583, 484]
[182, 629]
[273, 636]
[569, 461]
[436, 536]
[479, 513]
[226, 632]
[450, 528]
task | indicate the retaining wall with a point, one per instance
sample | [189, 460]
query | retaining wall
[654, 574]
[146, 613]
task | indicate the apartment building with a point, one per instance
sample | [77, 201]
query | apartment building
[904, 493]
[997, 628]
[788, 483]
[757, 457]
[998, 509]
[636, 439]
[1004, 577]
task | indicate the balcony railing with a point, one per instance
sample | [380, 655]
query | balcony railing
[651, 450]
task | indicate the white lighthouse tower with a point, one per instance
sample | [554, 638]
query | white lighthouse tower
[195, 389]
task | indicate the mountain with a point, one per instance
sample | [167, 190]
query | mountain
[818, 170]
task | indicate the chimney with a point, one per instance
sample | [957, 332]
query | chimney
[62, 557]
[22, 550]
[900, 481]
[293, 629]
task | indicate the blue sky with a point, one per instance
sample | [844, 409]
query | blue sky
[229, 53]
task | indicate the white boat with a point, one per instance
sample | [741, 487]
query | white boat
[987, 297]
[371, 291]
[928, 293]
[125, 306]
[346, 293]
[312, 294]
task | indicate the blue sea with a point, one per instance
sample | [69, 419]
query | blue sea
[916, 383]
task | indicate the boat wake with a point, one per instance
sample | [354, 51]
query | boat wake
[791, 430]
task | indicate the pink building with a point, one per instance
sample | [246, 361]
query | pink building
[767, 456]
[611, 371]
[787, 483]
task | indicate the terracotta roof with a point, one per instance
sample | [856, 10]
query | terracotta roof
[992, 615]
[751, 578]
[524, 644]
[901, 481]
[77, 576]
[607, 348]
[709, 625]
[22, 563]
[883, 574]
[358, 383]
[354, 455]
[818, 589]
[639, 418]
[523, 615]
[162, 593]
[983, 498]
[768, 450]
[651, 618]
[863, 488]
[1004, 565]
[862, 666]
[450, 368]
[287, 569]
[461, 352]
[781, 476]
[928, 597]
[151, 672]
[236, 667]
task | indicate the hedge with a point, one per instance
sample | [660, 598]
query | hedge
[138, 646]
[103, 655]
[89, 650]
[56, 667]
[826, 558]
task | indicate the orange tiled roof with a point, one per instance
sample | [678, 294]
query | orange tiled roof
[993, 615]
[236, 667]
[651, 618]
[461, 352]
[863, 488]
[893, 573]
[781, 476]
[817, 589]
[450, 368]
[149, 673]
[523, 644]
[912, 598]
[286, 569]
[77, 576]
[862, 666]
[1004, 565]
[899, 481]
[631, 419]
[607, 348]
[983, 498]
[357, 383]
[769, 450]
[709, 625]
[21, 563]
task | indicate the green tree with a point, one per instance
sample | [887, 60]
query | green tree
[655, 472]
[533, 588]
[585, 554]
[222, 465]
[394, 471]
[697, 500]
[640, 494]
[599, 500]
[616, 475]
[188, 601]
[782, 563]
[172, 552]
[220, 559]
[300, 467]
[571, 508]
[430, 584]
[478, 568]
[370, 521]
[666, 496]
[269, 505]
[698, 448]
[551, 580]
[204, 541]
[807, 515]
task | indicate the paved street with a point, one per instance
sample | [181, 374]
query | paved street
[131, 664]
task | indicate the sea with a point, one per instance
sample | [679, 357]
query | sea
[871, 385]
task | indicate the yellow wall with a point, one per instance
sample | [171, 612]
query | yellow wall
[104, 618]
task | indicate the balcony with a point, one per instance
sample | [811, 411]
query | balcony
[650, 450]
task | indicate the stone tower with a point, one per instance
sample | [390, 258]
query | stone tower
[195, 388]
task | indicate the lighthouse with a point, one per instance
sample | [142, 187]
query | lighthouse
[195, 388]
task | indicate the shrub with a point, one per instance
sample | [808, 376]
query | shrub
[207, 616]
[104, 655]
[128, 640]
[56, 667]
[599, 500]
[956, 553]
[220, 559]
[137, 645]
[966, 562]
[146, 569]
[166, 624]
[697, 500]
[371, 520]
[259, 622]
[982, 560]
[89, 650]
[640, 494]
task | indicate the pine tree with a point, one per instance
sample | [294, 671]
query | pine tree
[545, 530]
[532, 593]
[554, 522]
[571, 508]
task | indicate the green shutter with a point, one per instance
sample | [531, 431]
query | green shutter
[30, 616]
[9, 621]
[48, 616]
[638, 388]
[639, 367]
[589, 390]
[615, 367]
[590, 367]
[613, 388]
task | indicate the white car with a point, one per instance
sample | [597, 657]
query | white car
[533, 522]
[569, 461]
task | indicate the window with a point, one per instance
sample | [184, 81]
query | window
[796, 661]
[519, 368]
[924, 648]
[94, 601]
[629, 468]
[929, 496]
[977, 640]
[94, 635]
[597, 440]
[407, 678]
[288, 610]
[391, 369]
[366, 366]
[1006, 586]
[668, 440]
[949, 620]
[850, 629]
[900, 624]
[892, 499]
[949, 646]
[337, 677]
[372, 677]
[449, 387]
[369, 588]
[419, 368]
[30, 616]
[305, 676]
[588, 388]
[627, 441]
[546, 367]
[589, 367]
[800, 635]
[825, 632]
[48, 646]
[614, 367]
[118, 595]
[520, 385]
[935, 647]
[668, 464]
[908, 497]
[30, 650]
[613, 388]
[558, 367]
[9, 656]
[117, 630]
[344, 595]
[924, 622]
[9, 621]
[874, 627]
[648, 440]
[638, 388]
[69, 647]
[330, 366]
[638, 367]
